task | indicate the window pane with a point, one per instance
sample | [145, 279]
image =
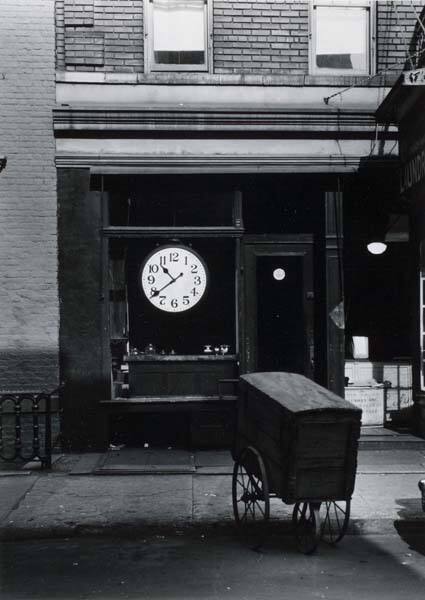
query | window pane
[179, 32]
[211, 321]
[341, 38]
[170, 201]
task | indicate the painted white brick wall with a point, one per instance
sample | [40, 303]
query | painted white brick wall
[29, 311]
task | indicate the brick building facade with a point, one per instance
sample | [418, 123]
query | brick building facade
[255, 110]
[29, 304]
[263, 37]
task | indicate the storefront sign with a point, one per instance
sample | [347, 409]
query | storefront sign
[413, 171]
[416, 77]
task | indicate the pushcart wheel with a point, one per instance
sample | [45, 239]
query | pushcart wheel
[306, 522]
[335, 517]
[250, 488]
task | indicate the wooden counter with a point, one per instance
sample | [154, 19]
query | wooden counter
[178, 375]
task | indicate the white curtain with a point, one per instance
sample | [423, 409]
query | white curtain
[179, 25]
[341, 30]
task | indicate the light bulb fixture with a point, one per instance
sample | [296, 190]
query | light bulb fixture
[279, 274]
[378, 228]
[377, 247]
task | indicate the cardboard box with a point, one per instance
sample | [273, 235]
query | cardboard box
[363, 371]
[399, 399]
[370, 400]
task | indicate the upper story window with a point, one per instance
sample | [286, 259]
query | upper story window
[177, 35]
[341, 37]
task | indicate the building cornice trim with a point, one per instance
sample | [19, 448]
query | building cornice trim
[214, 163]
[218, 119]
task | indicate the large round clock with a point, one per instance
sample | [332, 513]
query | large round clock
[174, 278]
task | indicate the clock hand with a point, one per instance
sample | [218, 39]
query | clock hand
[157, 292]
[167, 272]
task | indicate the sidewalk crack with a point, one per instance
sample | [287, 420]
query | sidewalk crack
[20, 500]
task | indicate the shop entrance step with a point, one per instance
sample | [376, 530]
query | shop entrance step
[382, 438]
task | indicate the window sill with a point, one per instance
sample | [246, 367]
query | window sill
[201, 78]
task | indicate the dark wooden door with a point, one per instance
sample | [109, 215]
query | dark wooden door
[277, 328]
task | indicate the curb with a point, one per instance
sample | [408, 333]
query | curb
[357, 527]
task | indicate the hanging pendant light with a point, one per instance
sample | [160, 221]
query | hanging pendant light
[378, 227]
[377, 247]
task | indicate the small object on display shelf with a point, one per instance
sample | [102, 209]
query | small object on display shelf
[224, 348]
[150, 349]
[116, 447]
[207, 349]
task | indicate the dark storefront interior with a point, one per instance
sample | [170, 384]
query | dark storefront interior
[263, 241]
[378, 303]
[211, 215]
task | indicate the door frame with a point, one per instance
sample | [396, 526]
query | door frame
[252, 247]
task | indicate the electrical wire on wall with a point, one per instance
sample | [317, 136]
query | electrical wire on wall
[411, 57]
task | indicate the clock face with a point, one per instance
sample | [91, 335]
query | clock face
[174, 278]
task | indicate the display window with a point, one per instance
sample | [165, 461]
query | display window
[181, 294]
[172, 281]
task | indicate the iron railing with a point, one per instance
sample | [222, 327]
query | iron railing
[26, 431]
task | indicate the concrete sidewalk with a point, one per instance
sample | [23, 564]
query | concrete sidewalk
[78, 498]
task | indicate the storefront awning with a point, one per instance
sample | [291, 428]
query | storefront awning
[401, 100]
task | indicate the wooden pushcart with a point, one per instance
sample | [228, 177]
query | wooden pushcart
[297, 441]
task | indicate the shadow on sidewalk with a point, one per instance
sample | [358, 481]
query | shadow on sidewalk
[409, 533]
[411, 527]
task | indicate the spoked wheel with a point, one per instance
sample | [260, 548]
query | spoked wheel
[250, 493]
[335, 517]
[306, 522]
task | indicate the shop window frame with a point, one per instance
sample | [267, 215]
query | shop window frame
[152, 66]
[166, 233]
[422, 311]
[367, 5]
